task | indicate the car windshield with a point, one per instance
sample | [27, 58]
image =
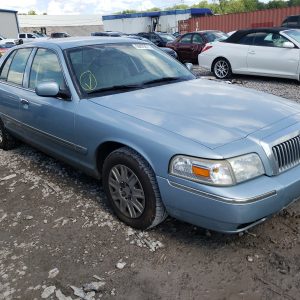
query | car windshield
[114, 68]
[212, 36]
[167, 37]
[294, 34]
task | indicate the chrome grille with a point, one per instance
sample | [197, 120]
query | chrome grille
[287, 154]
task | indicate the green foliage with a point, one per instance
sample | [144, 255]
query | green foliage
[228, 6]
[32, 12]
[178, 6]
[156, 9]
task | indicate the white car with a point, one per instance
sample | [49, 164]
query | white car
[4, 40]
[28, 37]
[270, 52]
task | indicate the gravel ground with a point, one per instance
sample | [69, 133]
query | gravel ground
[59, 240]
[280, 87]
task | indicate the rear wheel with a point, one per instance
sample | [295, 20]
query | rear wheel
[7, 141]
[222, 69]
[131, 187]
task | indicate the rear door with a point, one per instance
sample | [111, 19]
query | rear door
[267, 56]
[11, 87]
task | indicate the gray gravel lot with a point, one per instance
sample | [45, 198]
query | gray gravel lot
[280, 87]
[59, 240]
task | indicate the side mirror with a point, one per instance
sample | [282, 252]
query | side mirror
[51, 89]
[289, 45]
[47, 89]
[189, 66]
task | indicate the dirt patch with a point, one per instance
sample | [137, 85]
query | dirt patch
[56, 231]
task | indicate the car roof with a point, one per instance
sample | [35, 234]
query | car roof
[73, 42]
[240, 33]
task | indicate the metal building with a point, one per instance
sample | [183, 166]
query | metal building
[166, 21]
[75, 25]
[9, 26]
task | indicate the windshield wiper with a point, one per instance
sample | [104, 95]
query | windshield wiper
[123, 87]
[163, 79]
[129, 87]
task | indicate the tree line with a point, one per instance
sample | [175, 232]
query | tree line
[227, 6]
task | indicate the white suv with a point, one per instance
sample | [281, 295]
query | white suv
[28, 37]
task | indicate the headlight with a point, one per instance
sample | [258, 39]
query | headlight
[217, 172]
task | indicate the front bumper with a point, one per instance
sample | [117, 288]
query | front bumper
[230, 209]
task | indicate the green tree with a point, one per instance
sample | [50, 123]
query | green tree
[154, 9]
[178, 6]
[277, 4]
[293, 2]
[32, 12]
[127, 11]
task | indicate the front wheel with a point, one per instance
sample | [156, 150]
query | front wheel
[130, 185]
[222, 69]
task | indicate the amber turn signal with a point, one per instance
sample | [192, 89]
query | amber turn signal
[198, 171]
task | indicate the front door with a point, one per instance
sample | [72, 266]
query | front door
[198, 44]
[268, 56]
[184, 48]
[48, 121]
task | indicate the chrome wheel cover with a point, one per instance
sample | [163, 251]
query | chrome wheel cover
[126, 191]
[221, 68]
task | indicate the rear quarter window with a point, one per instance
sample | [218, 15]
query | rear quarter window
[6, 66]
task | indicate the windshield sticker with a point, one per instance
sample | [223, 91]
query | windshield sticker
[142, 46]
[88, 81]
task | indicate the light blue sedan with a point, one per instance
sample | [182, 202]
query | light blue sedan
[162, 141]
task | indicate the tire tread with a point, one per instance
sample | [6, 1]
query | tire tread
[160, 211]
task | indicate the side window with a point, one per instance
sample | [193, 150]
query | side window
[186, 39]
[22, 36]
[197, 39]
[247, 39]
[18, 65]
[263, 39]
[45, 68]
[154, 38]
[30, 36]
[267, 39]
[6, 66]
[292, 21]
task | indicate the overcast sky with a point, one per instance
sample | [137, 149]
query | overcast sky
[59, 7]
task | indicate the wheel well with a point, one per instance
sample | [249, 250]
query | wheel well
[212, 65]
[104, 150]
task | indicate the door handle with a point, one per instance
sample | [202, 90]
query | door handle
[251, 52]
[24, 101]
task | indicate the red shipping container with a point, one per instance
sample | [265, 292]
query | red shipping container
[231, 22]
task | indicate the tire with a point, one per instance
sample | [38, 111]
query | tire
[7, 141]
[130, 185]
[222, 68]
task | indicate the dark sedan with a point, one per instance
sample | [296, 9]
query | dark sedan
[160, 39]
[190, 45]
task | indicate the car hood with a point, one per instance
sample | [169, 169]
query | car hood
[205, 111]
